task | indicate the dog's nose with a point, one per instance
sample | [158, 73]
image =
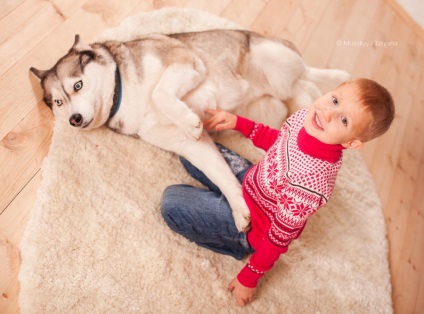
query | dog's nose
[76, 120]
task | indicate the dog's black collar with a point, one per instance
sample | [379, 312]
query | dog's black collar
[117, 95]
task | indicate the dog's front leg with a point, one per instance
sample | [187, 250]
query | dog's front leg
[176, 81]
[204, 155]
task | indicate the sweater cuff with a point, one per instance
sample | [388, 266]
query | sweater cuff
[244, 126]
[249, 278]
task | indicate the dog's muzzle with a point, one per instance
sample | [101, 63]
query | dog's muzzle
[76, 120]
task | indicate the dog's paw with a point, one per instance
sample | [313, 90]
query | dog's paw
[241, 215]
[194, 126]
[242, 222]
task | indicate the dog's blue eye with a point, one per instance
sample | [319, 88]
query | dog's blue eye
[78, 85]
[58, 102]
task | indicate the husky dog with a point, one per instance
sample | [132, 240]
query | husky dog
[157, 88]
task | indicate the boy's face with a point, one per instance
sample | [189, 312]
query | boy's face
[338, 117]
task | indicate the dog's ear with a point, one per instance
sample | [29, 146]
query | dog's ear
[77, 39]
[79, 45]
[86, 56]
[41, 74]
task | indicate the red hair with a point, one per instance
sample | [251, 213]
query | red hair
[378, 101]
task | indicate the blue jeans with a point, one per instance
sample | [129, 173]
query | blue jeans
[204, 216]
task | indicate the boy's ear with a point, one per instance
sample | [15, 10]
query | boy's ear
[355, 144]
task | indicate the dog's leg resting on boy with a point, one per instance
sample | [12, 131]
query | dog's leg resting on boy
[204, 154]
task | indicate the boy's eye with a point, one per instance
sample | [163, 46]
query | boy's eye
[335, 101]
[58, 102]
[78, 86]
[344, 121]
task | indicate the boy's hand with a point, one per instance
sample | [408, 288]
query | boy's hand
[220, 120]
[244, 295]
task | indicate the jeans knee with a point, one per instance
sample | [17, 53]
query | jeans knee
[166, 207]
[172, 205]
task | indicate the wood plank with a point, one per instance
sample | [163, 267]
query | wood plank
[10, 257]
[22, 152]
[396, 79]
[368, 65]
[302, 22]
[398, 68]
[7, 6]
[405, 17]
[215, 7]
[26, 26]
[404, 221]
[15, 48]
[14, 20]
[273, 18]
[416, 237]
[12, 225]
[407, 242]
[243, 12]
[385, 70]
[352, 37]
[327, 33]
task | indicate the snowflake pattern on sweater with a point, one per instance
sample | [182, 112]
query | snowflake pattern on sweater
[289, 185]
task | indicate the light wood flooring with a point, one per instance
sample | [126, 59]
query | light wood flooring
[329, 33]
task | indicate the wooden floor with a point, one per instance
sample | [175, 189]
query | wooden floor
[369, 38]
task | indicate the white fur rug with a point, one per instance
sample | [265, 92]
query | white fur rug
[96, 242]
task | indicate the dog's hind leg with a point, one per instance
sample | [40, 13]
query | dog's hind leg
[176, 81]
[205, 156]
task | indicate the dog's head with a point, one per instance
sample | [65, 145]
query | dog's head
[80, 86]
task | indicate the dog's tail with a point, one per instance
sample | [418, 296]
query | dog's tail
[329, 77]
[306, 90]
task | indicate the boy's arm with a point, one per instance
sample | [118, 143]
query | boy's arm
[262, 136]
[220, 120]
[243, 295]
[259, 263]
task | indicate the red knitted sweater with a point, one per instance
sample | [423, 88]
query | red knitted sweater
[293, 180]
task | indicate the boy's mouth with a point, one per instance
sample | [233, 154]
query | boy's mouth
[316, 122]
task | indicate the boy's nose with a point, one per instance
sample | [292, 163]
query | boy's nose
[327, 114]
